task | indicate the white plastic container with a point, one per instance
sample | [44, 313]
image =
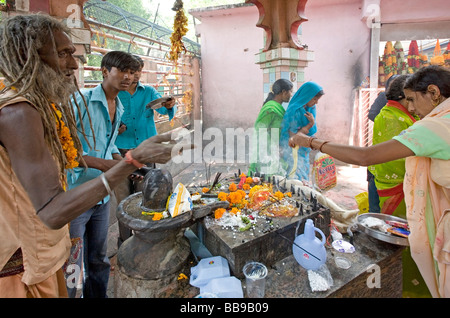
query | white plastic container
[224, 287]
[206, 295]
[208, 269]
[308, 250]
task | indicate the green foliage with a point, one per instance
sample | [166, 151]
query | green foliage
[133, 6]
[164, 17]
[191, 4]
[157, 11]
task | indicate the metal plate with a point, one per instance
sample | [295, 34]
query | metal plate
[155, 104]
[386, 237]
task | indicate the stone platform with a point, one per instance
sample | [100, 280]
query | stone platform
[375, 272]
[269, 241]
[285, 275]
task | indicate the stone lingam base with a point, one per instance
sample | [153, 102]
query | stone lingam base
[151, 260]
[166, 287]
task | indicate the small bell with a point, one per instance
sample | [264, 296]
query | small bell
[177, 5]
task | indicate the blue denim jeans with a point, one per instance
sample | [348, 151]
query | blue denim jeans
[92, 228]
[374, 199]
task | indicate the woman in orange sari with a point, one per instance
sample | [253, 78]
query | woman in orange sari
[426, 147]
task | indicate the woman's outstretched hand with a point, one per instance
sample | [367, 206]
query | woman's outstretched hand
[299, 139]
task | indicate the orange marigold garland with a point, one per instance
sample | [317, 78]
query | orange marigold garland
[179, 30]
[187, 99]
[66, 140]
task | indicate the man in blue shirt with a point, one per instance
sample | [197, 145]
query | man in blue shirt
[138, 124]
[138, 120]
[100, 154]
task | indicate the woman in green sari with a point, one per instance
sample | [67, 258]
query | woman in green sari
[265, 157]
[392, 119]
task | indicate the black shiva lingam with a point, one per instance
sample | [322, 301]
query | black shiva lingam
[158, 249]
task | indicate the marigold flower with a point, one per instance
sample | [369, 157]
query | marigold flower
[222, 196]
[205, 190]
[246, 186]
[181, 276]
[242, 193]
[218, 213]
[242, 175]
[157, 216]
[249, 180]
[279, 195]
[235, 211]
[234, 197]
[288, 194]
[232, 187]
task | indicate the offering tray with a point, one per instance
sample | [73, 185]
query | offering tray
[375, 233]
[214, 190]
[157, 103]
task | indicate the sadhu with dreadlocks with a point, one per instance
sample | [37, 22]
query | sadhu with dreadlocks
[38, 142]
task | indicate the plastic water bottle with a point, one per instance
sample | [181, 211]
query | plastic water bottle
[308, 250]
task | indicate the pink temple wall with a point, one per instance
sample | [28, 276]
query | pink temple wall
[341, 44]
[232, 86]
[414, 11]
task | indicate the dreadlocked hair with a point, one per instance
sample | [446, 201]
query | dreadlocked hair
[20, 39]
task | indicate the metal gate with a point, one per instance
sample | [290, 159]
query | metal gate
[362, 126]
[113, 28]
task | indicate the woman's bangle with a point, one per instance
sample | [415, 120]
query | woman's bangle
[129, 159]
[105, 183]
[320, 148]
[310, 142]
